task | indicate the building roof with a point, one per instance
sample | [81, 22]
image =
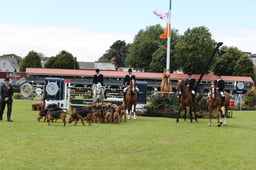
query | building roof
[140, 75]
[94, 65]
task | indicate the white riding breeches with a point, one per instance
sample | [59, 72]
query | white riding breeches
[193, 92]
[102, 87]
[222, 94]
[125, 89]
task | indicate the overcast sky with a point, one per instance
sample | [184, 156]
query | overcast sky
[88, 28]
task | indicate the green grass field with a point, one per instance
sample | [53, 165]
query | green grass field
[147, 143]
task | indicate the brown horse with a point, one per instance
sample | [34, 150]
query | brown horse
[166, 86]
[131, 99]
[186, 100]
[215, 101]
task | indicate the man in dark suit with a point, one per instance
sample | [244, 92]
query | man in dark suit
[6, 92]
[190, 82]
[127, 80]
[220, 85]
[128, 77]
[98, 78]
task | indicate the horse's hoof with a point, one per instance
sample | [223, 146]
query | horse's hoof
[209, 124]
[177, 121]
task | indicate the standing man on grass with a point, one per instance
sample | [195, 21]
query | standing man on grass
[6, 92]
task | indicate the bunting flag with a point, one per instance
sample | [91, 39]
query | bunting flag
[161, 15]
[166, 32]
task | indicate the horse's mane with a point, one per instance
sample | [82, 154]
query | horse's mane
[184, 90]
[131, 89]
[165, 83]
[166, 74]
[181, 85]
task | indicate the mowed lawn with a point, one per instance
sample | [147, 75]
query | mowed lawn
[147, 143]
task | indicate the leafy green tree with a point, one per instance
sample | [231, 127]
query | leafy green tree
[226, 63]
[31, 60]
[158, 63]
[118, 50]
[193, 50]
[145, 43]
[62, 60]
[250, 98]
[254, 72]
[244, 67]
[50, 62]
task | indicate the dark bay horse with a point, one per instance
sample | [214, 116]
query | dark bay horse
[215, 101]
[186, 100]
[131, 99]
[165, 86]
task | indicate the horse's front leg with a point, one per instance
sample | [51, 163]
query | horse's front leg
[195, 113]
[225, 115]
[210, 116]
[178, 114]
[134, 112]
[190, 113]
[185, 114]
[219, 113]
[128, 113]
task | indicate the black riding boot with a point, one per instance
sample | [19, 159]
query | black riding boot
[105, 94]
[124, 97]
[223, 101]
[194, 98]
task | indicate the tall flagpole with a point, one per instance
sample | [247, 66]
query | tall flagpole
[168, 56]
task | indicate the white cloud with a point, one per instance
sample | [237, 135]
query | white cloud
[242, 38]
[84, 44]
[88, 45]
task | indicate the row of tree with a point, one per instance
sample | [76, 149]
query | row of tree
[189, 53]
[62, 60]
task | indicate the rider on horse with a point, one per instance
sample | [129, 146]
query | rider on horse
[190, 82]
[98, 78]
[220, 85]
[127, 81]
